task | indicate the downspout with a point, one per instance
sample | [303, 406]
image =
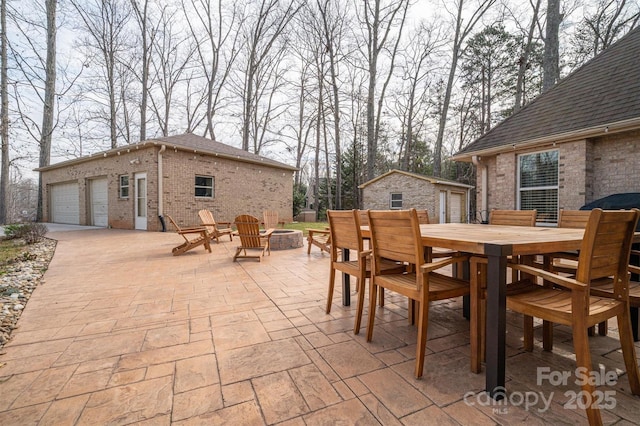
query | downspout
[160, 193]
[484, 186]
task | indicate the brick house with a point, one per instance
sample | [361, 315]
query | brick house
[445, 200]
[119, 188]
[575, 143]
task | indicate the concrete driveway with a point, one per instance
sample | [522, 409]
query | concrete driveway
[122, 332]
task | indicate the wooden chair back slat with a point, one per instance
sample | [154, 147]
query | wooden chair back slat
[423, 217]
[248, 231]
[344, 226]
[606, 245]
[395, 235]
[513, 217]
[576, 219]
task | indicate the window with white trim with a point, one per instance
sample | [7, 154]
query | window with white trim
[395, 201]
[204, 186]
[123, 187]
[538, 185]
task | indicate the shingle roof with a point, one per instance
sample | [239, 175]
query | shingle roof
[431, 179]
[209, 146]
[184, 142]
[605, 90]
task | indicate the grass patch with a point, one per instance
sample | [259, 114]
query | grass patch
[303, 226]
[9, 250]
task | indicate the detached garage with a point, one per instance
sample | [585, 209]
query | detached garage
[65, 203]
[135, 186]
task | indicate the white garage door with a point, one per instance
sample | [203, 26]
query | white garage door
[65, 203]
[99, 205]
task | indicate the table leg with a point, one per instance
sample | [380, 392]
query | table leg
[346, 282]
[496, 319]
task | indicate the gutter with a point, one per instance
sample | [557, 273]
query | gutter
[160, 188]
[600, 130]
[484, 184]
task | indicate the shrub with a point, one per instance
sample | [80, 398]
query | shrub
[30, 232]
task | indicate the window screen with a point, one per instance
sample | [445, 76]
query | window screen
[124, 186]
[204, 186]
[538, 184]
[396, 200]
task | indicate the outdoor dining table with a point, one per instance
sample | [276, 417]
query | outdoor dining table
[496, 243]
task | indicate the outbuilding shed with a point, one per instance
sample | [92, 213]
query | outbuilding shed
[445, 200]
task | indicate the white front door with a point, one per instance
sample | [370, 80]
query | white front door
[443, 206]
[141, 201]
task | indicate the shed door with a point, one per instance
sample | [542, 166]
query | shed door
[65, 203]
[99, 203]
[456, 207]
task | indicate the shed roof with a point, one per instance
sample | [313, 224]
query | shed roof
[431, 179]
[602, 96]
[185, 142]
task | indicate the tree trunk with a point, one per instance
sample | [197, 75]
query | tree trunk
[4, 116]
[551, 46]
[49, 98]
[524, 59]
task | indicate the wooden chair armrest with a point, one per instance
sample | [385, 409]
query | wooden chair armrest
[318, 231]
[432, 266]
[563, 255]
[194, 230]
[634, 269]
[566, 282]
[267, 233]
[364, 254]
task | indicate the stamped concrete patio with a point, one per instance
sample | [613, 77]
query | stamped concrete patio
[121, 332]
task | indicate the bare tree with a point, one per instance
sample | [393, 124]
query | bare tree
[609, 21]
[261, 34]
[106, 25]
[523, 60]
[173, 53]
[142, 18]
[4, 114]
[216, 36]
[422, 43]
[334, 23]
[463, 28]
[379, 21]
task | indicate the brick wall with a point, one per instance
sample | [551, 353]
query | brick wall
[616, 165]
[588, 170]
[239, 187]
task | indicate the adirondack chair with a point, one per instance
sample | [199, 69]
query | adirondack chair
[251, 239]
[193, 237]
[270, 219]
[214, 231]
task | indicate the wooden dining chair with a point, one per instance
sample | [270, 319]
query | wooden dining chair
[344, 226]
[604, 254]
[395, 235]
